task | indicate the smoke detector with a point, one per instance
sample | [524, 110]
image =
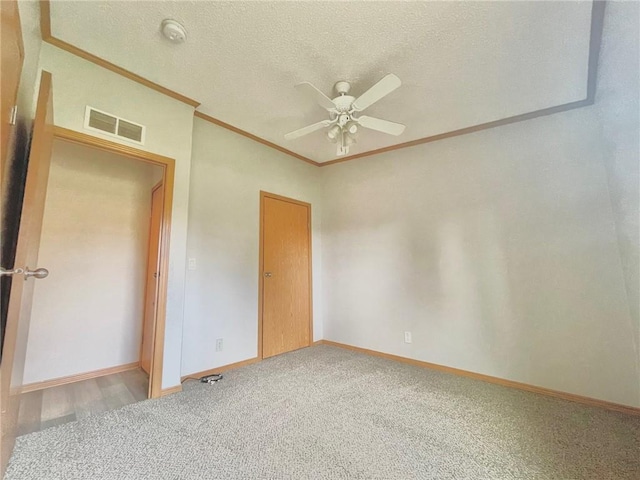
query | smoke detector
[173, 31]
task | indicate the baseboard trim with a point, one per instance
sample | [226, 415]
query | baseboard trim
[168, 391]
[56, 382]
[222, 368]
[495, 380]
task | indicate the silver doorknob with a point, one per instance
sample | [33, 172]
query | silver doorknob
[37, 273]
[267, 274]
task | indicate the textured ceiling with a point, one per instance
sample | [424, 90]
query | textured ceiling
[461, 63]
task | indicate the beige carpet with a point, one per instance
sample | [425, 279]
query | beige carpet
[328, 413]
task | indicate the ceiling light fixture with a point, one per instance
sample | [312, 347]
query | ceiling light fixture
[351, 127]
[333, 133]
[173, 31]
[344, 113]
[348, 139]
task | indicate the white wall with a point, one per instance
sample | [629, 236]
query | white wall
[498, 250]
[88, 314]
[77, 83]
[221, 301]
[618, 106]
[511, 252]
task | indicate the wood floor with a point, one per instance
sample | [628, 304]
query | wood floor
[57, 405]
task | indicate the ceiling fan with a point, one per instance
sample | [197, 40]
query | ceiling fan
[344, 112]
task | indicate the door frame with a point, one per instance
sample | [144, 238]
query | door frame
[263, 196]
[11, 16]
[157, 186]
[168, 175]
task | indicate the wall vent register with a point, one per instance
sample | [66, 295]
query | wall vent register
[109, 124]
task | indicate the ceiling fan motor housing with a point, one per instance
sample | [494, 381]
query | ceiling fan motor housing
[343, 103]
[342, 87]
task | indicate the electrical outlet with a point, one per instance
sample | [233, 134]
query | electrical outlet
[192, 264]
[219, 345]
[407, 337]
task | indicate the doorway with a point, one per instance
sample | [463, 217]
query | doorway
[167, 184]
[87, 317]
[285, 301]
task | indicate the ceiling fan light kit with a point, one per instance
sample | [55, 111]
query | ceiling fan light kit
[344, 112]
[333, 133]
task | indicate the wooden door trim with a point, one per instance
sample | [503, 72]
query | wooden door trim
[146, 293]
[274, 196]
[168, 166]
[18, 25]
[80, 138]
[284, 199]
[15, 23]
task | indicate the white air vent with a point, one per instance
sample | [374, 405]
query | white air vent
[104, 122]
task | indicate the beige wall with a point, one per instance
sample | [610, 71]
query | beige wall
[88, 313]
[77, 83]
[499, 250]
[221, 299]
[512, 252]
[618, 106]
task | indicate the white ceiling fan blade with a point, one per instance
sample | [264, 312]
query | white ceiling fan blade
[308, 129]
[380, 125]
[384, 87]
[311, 91]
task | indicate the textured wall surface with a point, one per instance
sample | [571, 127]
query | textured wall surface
[461, 63]
[87, 315]
[221, 300]
[498, 250]
[77, 83]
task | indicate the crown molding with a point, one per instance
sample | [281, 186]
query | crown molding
[595, 40]
[466, 130]
[45, 30]
[255, 138]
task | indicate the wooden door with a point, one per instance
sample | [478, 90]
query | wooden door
[11, 59]
[21, 294]
[285, 274]
[153, 269]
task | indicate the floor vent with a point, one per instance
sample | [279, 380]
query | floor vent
[104, 122]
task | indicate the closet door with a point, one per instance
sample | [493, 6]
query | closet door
[286, 275]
